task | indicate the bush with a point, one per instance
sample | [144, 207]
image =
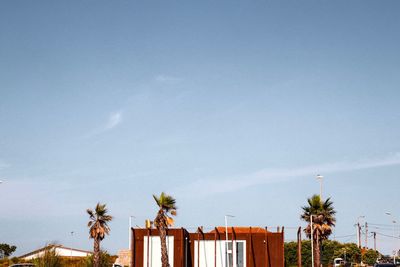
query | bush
[106, 260]
[49, 258]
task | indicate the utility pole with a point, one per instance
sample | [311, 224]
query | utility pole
[299, 247]
[374, 235]
[358, 230]
[366, 235]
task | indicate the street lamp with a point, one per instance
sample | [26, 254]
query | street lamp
[226, 237]
[320, 178]
[394, 235]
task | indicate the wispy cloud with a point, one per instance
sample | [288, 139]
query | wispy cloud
[163, 78]
[266, 176]
[113, 120]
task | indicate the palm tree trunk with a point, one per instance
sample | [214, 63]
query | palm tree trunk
[164, 252]
[96, 255]
[317, 252]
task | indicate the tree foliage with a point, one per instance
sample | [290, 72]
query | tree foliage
[98, 229]
[329, 251]
[349, 252]
[322, 214]
[370, 256]
[323, 217]
[7, 261]
[105, 260]
[6, 250]
[49, 258]
[291, 253]
[167, 209]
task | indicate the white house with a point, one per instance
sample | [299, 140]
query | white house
[59, 250]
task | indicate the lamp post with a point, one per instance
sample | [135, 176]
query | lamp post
[394, 235]
[226, 238]
[320, 178]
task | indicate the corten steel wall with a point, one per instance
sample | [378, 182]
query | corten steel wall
[263, 249]
[181, 242]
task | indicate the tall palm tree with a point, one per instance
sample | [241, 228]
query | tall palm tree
[163, 220]
[323, 217]
[98, 228]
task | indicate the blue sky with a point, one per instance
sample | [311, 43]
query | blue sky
[231, 106]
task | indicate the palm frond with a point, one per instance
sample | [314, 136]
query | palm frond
[99, 218]
[323, 214]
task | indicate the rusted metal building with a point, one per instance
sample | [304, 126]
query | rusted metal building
[239, 247]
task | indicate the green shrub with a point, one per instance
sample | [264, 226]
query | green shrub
[106, 260]
[49, 258]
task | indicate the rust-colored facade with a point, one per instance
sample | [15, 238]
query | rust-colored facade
[262, 248]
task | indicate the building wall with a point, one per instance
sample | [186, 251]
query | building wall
[60, 251]
[124, 257]
[152, 251]
[262, 249]
[139, 246]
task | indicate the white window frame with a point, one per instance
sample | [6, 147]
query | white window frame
[234, 256]
[207, 250]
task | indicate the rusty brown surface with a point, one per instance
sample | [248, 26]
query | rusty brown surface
[263, 248]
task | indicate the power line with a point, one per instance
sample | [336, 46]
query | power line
[344, 236]
[381, 224]
[382, 228]
[395, 237]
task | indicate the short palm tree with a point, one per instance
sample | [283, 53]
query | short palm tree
[98, 228]
[323, 217]
[163, 220]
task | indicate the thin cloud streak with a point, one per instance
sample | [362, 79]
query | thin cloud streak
[267, 176]
[163, 78]
[113, 120]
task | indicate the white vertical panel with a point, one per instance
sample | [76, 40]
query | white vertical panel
[154, 258]
[206, 253]
[207, 250]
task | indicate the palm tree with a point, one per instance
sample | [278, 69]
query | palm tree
[323, 217]
[163, 220]
[98, 228]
